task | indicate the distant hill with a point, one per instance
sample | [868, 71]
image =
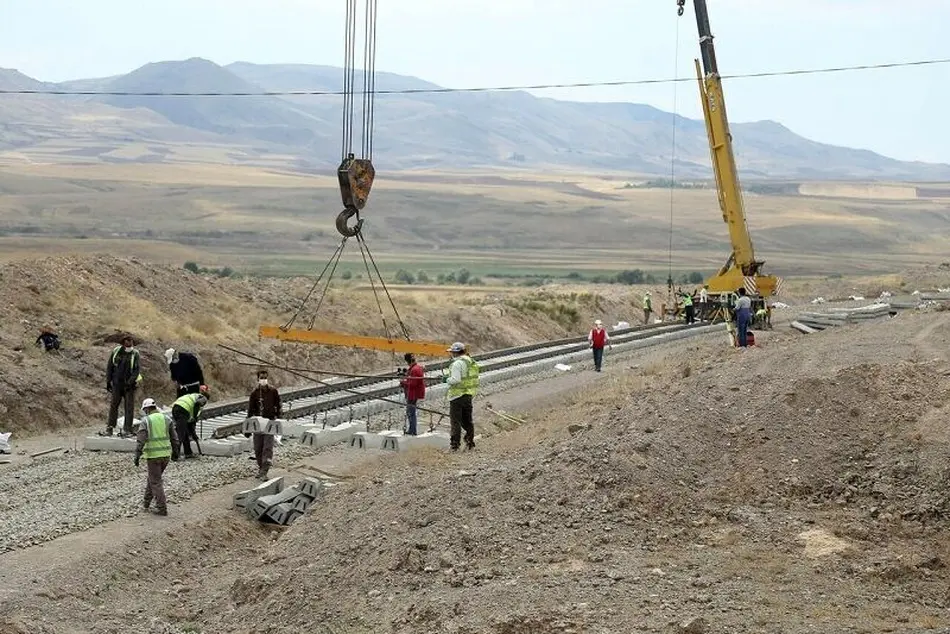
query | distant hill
[435, 130]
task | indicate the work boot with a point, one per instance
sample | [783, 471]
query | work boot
[126, 434]
[470, 445]
[146, 504]
[106, 434]
[262, 473]
[160, 511]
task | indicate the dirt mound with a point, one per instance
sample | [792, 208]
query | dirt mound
[693, 491]
[91, 301]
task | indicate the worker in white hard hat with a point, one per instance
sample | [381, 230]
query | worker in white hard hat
[185, 370]
[462, 381]
[647, 307]
[597, 339]
[157, 441]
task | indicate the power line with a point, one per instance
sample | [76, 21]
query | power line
[418, 91]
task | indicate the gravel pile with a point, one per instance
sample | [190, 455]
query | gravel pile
[60, 494]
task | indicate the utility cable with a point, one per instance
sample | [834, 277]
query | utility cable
[420, 91]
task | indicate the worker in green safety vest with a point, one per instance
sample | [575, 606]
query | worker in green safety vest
[185, 412]
[688, 308]
[647, 307]
[462, 382]
[157, 442]
[123, 375]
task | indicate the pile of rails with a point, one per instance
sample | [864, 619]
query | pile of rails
[812, 322]
[271, 502]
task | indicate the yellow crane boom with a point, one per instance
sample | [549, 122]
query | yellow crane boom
[741, 268]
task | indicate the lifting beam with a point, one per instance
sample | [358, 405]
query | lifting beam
[327, 338]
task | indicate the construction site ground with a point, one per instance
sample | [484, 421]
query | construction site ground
[801, 486]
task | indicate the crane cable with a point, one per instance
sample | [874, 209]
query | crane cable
[346, 151]
[671, 298]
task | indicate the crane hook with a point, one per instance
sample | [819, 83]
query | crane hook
[680, 8]
[341, 226]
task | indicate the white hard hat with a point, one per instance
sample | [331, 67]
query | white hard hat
[458, 346]
[169, 355]
[149, 402]
[598, 322]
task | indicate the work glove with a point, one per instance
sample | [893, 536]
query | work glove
[109, 387]
[138, 457]
[247, 434]
[445, 378]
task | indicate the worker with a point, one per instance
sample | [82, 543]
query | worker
[462, 381]
[647, 307]
[158, 442]
[704, 303]
[743, 316]
[760, 318]
[48, 339]
[264, 402]
[185, 412]
[688, 308]
[414, 385]
[123, 374]
[185, 370]
[597, 338]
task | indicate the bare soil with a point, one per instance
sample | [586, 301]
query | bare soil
[801, 486]
[91, 300]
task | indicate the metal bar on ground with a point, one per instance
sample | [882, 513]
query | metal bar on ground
[325, 337]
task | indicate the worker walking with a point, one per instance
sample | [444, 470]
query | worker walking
[123, 374]
[743, 316]
[647, 307]
[185, 370]
[157, 442]
[462, 381]
[414, 386]
[264, 402]
[597, 338]
[185, 412]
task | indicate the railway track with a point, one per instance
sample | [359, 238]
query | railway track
[313, 401]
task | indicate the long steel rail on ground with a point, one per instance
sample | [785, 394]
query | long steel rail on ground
[314, 399]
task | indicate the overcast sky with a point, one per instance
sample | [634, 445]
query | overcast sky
[899, 112]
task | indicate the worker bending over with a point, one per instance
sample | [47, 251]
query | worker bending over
[264, 402]
[743, 316]
[185, 370]
[123, 374]
[185, 412]
[462, 381]
[157, 442]
[597, 338]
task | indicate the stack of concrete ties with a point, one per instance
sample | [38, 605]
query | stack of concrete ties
[271, 502]
[812, 322]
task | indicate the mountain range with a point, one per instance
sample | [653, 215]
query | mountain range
[412, 130]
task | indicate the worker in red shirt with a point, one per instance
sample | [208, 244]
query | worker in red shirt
[414, 385]
[598, 338]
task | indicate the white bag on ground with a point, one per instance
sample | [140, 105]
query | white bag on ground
[5, 442]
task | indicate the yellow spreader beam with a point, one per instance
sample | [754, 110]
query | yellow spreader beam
[327, 338]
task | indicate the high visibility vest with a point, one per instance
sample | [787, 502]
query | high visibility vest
[469, 382]
[687, 300]
[187, 403]
[159, 443]
[647, 303]
[135, 360]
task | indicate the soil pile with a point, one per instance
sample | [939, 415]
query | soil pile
[784, 485]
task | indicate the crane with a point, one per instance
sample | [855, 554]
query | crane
[741, 269]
